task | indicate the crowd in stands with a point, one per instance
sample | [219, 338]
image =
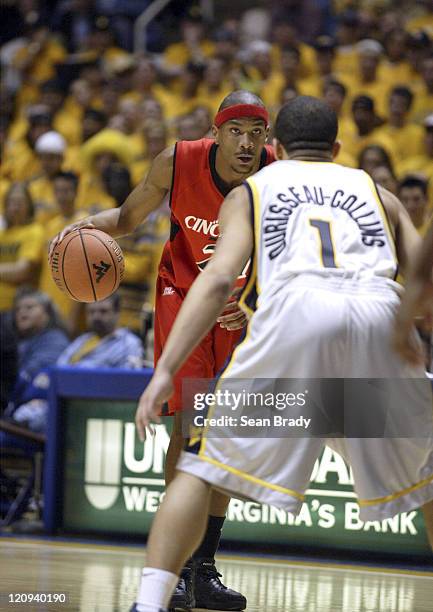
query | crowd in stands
[83, 116]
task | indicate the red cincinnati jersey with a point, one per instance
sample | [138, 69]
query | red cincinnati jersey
[196, 196]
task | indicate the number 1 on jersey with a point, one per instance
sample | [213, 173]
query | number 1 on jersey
[327, 247]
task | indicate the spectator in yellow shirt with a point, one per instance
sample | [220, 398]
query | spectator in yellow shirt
[413, 195]
[92, 123]
[284, 35]
[418, 45]
[65, 191]
[394, 69]
[423, 104]
[186, 98]
[100, 44]
[21, 245]
[422, 164]
[214, 87]
[146, 86]
[365, 79]
[50, 148]
[367, 122]
[258, 66]
[155, 135]
[334, 95]
[384, 175]
[406, 136]
[109, 99]
[325, 50]
[373, 156]
[194, 45]
[20, 162]
[347, 35]
[226, 47]
[52, 95]
[36, 61]
[287, 77]
[98, 153]
[129, 122]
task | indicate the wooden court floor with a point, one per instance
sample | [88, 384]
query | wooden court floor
[105, 578]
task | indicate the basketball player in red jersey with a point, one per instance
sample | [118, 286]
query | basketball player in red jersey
[198, 174]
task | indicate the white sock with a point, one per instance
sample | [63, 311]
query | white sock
[156, 588]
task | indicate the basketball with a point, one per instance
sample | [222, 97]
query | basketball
[88, 265]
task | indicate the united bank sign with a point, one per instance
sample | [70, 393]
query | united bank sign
[110, 453]
[116, 483]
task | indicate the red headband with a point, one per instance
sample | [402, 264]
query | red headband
[241, 110]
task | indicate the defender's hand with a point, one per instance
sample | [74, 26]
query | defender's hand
[153, 397]
[67, 230]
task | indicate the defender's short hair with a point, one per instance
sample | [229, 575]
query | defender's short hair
[306, 123]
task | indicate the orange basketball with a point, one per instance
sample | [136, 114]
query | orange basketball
[87, 265]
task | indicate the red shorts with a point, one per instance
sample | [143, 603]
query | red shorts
[207, 359]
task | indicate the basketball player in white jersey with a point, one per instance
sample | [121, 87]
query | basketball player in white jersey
[325, 244]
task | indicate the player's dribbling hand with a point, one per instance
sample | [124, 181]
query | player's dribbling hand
[417, 302]
[151, 401]
[67, 230]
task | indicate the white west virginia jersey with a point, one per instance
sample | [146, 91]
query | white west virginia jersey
[320, 218]
[326, 303]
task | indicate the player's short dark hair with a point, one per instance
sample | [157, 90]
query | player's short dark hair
[67, 176]
[403, 92]
[241, 96]
[306, 123]
[411, 181]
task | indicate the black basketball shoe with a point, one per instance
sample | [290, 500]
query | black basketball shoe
[183, 596]
[209, 591]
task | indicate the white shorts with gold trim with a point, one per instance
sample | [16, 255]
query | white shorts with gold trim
[334, 329]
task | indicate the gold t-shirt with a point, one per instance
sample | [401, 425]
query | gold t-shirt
[17, 243]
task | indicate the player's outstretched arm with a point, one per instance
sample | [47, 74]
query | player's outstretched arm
[145, 198]
[417, 301]
[204, 302]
